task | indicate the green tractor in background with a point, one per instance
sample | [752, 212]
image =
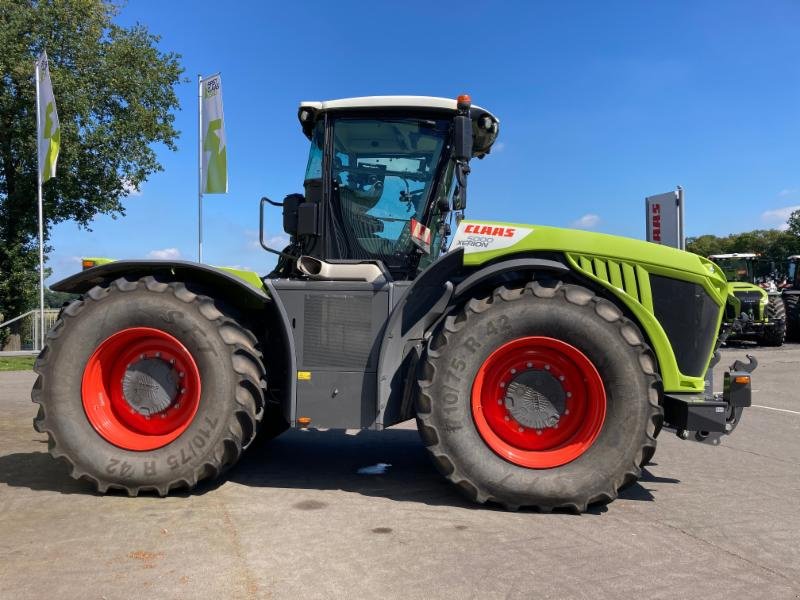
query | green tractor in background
[755, 308]
[540, 363]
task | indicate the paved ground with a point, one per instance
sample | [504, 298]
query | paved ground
[295, 520]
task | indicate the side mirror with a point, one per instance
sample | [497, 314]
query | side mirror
[290, 206]
[459, 199]
[463, 138]
[462, 152]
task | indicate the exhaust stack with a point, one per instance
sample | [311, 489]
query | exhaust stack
[325, 271]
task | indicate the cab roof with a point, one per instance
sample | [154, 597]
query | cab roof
[421, 102]
[485, 125]
[734, 255]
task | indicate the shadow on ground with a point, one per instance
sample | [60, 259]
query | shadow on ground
[319, 460]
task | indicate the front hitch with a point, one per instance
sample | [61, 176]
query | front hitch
[711, 416]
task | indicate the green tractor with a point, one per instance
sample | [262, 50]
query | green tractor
[755, 309]
[790, 292]
[540, 363]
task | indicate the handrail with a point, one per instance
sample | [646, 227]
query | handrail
[23, 315]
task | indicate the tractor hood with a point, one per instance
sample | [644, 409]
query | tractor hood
[743, 286]
[484, 241]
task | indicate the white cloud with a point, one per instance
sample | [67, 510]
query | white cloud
[130, 189]
[787, 192]
[587, 221]
[278, 242]
[165, 254]
[778, 217]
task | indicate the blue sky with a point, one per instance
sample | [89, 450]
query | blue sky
[600, 103]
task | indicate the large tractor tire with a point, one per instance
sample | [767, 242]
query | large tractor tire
[147, 386]
[544, 396]
[775, 333]
[791, 303]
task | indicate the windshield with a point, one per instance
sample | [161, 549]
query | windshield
[383, 172]
[736, 269]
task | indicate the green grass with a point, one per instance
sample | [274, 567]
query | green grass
[16, 363]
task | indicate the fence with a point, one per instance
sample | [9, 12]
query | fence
[22, 332]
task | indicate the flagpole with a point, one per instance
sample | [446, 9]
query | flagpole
[199, 168]
[41, 227]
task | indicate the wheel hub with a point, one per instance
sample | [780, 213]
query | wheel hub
[150, 385]
[535, 399]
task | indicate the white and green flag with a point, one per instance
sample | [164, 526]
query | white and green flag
[49, 129]
[212, 126]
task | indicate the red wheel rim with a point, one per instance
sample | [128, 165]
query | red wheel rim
[584, 403]
[122, 422]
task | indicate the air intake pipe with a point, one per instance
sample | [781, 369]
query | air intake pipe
[325, 271]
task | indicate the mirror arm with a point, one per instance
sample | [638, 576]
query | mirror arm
[265, 200]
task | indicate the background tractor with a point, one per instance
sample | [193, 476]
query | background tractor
[790, 292]
[540, 363]
[755, 309]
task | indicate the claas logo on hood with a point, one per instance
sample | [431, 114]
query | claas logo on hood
[490, 230]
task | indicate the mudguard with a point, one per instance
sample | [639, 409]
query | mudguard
[240, 288]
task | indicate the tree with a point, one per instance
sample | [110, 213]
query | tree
[772, 245]
[794, 223]
[115, 96]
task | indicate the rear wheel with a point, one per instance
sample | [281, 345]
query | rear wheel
[544, 396]
[775, 333]
[147, 386]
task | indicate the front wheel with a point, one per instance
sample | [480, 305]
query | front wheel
[542, 396]
[775, 332]
[792, 304]
[145, 385]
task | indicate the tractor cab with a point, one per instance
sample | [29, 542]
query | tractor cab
[738, 267]
[383, 177]
[793, 278]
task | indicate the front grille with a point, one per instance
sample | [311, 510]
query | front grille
[750, 302]
[689, 317]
